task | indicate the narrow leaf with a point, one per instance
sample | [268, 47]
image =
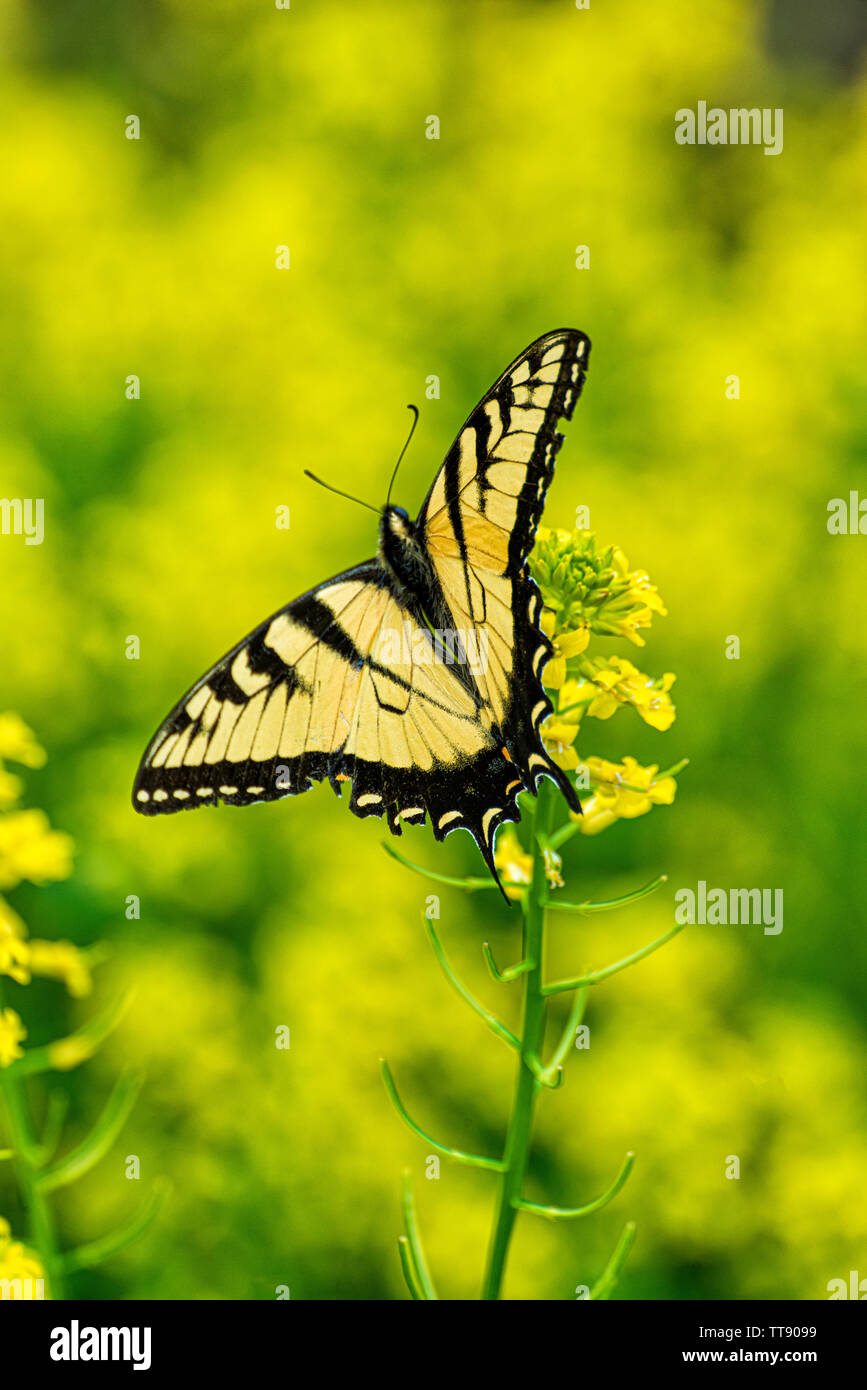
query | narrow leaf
[415, 1251]
[606, 1282]
[499, 1029]
[86, 1256]
[570, 1213]
[100, 1139]
[562, 986]
[473, 885]
[585, 909]
[496, 1165]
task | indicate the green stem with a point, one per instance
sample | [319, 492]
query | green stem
[28, 1154]
[517, 1145]
[26, 1146]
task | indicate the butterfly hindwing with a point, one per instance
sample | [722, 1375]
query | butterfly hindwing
[479, 521]
[344, 684]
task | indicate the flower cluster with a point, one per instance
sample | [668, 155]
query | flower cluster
[589, 593]
[12, 1034]
[622, 791]
[17, 744]
[513, 863]
[30, 849]
[16, 1261]
[583, 590]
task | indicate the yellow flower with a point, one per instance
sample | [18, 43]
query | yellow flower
[12, 1032]
[10, 789]
[513, 864]
[622, 791]
[561, 728]
[61, 960]
[17, 1262]
[554, 673]
[553, 867]
[18, 742]
[30, 849]
[566, 645]
[558, 730]
[14, 948]
[588, 591]
[559, 735]
[635, 607]
[618, 682]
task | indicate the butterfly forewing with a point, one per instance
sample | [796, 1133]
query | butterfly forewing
[479, 521]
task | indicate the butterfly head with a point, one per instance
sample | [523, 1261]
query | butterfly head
[399, 547]
[396, 521]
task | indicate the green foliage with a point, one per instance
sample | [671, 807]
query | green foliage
[39, 853]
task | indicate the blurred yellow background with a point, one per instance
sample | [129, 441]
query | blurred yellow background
[410, 258]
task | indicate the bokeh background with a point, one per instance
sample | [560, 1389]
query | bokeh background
[411, 257]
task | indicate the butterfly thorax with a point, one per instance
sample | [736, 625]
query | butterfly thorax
[402, 553]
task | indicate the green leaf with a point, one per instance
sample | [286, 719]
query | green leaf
[589, 907]
[77, 1047]
[570, 1213]
[593, 978]
[407, 1267]
[473, 885]
[604, 1286]
[414, 1250]
[499, 1029]
[87, 1256]
[88, 1153]
[496, 1165]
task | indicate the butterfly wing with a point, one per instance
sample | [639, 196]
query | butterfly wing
[478, 523]
[344, 684]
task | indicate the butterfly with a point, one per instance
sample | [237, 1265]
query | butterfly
[414, 677]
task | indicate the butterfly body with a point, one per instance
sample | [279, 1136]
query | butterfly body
[413, 677]
[403, 554]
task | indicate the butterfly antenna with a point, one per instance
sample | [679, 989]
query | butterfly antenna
[347, 495]
[414, 410]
